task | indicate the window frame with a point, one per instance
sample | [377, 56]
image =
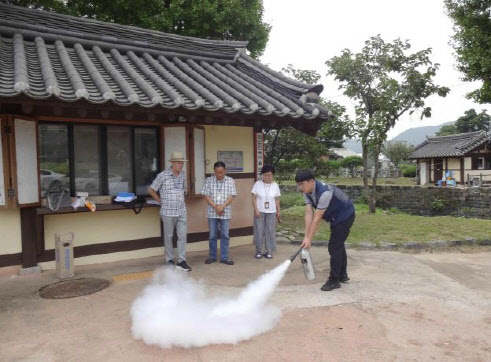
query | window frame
[103, 150]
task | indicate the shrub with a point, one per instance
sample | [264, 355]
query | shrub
[409, 171]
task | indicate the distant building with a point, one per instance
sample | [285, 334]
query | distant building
[466, 155]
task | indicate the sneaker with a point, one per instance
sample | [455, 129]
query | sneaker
[169, 263]
[331, 284]
[226, 261]
[343, 278]
[183, 266]
[210, 260]
[259, 255]
[267, 255]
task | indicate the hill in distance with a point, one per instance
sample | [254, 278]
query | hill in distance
[413, 136]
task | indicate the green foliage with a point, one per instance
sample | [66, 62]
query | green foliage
[471, 121]
[289, 199]
[352, 163]
[61, 168]
[289, 149]
[386, 81]
[447, 130]
[397, 151]
[209, 19]
[472, 42]
[409, 171]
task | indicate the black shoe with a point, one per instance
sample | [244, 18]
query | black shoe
[183, 266]
[210, 260]
[343, 278]
[331, 284]
[169, 263]
[226, 261]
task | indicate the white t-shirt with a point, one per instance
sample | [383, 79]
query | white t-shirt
[266, 196]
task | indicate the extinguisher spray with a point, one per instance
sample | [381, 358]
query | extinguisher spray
[306, 260]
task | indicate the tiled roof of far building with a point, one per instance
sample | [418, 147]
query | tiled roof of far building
[45, 55]
[451, 146]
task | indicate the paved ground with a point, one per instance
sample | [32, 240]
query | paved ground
[397, 307]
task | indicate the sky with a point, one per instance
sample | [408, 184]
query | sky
[306, 33]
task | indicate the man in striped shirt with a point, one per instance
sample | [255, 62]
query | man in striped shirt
[219, 192]
[171, 185]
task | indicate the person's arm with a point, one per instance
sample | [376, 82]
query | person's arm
[314, 218]
[278, 211]
[154, 195]
[254, 205]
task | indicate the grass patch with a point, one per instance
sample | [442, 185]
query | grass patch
[396, 227]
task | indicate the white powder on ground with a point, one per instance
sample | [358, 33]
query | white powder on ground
[174, 310]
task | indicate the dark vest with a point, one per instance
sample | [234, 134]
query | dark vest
[340, 208]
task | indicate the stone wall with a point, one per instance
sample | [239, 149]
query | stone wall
[428, 200]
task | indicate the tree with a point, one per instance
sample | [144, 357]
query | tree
[209, 19]
[386, 82]
[352, 163]
[397, 151]
[472, 42]
[447, 130]
[289, 149]
[471, 121]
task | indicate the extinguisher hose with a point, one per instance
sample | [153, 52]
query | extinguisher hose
[295, 254]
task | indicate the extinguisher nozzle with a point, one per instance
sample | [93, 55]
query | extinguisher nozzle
[295, 254]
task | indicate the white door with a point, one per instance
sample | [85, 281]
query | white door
[422, 173]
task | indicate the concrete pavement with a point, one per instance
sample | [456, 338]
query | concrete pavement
[397, 307]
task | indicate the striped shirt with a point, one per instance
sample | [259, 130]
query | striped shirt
[219, 192]
[171, 190]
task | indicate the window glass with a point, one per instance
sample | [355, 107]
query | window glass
[53, 148]
[480, 163]
[146, 158]
[86, 159]
[120, 176]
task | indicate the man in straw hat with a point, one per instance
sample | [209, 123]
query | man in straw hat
[168, 189]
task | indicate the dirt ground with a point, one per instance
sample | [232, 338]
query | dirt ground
[396, 307]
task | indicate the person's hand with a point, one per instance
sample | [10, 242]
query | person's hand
[278, 217]
[220, 209]
[257, 214]
[306, 243]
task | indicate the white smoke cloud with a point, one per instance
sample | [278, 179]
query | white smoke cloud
[174, 310]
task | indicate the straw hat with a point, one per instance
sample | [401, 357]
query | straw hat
[177, 157]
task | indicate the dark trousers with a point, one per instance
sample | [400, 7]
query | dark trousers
[337, 249]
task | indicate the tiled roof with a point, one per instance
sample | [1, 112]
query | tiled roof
[451, 146]
[46, 55]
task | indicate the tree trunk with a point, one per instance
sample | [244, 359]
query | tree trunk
[368, 194]
[372, 200]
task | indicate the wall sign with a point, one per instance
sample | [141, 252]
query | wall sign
[259, 151]
[234, 160]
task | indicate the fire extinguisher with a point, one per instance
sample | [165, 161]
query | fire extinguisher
[306, 260]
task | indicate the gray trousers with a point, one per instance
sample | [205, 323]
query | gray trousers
[180, 223]
[265, 232]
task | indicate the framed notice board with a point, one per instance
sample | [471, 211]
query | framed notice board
[234, 160]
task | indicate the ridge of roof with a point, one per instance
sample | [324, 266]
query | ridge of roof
[456, 136]
[62, 61]
[45, 22]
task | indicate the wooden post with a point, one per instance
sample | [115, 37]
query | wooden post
[28, 235]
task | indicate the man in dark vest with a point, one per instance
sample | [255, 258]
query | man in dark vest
[328, 202]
